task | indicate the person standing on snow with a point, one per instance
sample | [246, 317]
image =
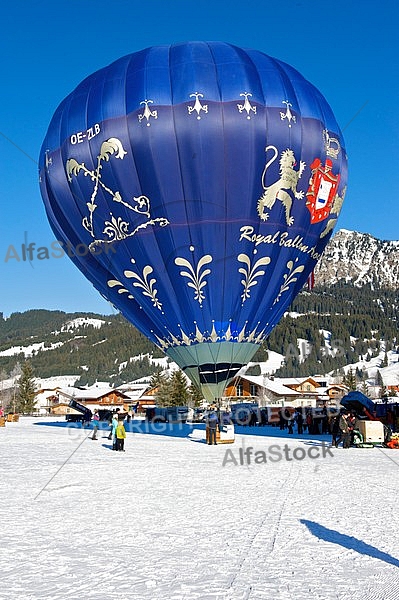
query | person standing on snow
[114, 426]
[345, 431]
[212, 423]
[96, 422]
[335, 430]
[120, 437]
[299, 421]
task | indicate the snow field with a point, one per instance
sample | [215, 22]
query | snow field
[165, 520]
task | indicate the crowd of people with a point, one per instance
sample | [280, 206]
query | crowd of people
[341, 425]
[117, 432]
[306, 420]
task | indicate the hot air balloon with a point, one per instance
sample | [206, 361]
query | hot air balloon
[198, 184]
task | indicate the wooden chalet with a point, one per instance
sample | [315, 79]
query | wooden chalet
[259, 389]
[93, 397]
[308, 391]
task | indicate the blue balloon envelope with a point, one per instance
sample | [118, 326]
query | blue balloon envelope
[197, 185]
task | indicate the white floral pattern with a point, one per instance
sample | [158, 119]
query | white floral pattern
[196, 278]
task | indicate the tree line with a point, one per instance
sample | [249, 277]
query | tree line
[359, 321]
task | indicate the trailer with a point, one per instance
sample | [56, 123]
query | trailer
[84, 416]
[360, 404]
[167, 414]
[371, 431]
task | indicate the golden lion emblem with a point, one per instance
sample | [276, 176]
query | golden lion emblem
[279, 190]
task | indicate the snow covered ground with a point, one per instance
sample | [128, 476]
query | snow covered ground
[167, 521]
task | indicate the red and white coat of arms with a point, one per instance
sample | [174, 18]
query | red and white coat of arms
[323, 186]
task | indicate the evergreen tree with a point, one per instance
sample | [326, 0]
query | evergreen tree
[157, 379]
[364, 388]
[261, 355]
[380, 383]
[196, 396]
[254, 370]
[350, 380]
[180, 392]
[163, 393]
[26, 390]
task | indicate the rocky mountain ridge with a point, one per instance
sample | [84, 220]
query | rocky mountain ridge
[361, 259]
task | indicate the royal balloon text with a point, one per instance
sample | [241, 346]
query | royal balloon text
[281, 238]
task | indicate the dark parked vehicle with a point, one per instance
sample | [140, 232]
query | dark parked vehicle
[85, 413]
[244, 413]
[167, 414]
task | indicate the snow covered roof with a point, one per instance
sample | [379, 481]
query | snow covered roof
[278, 388]
[274, 385]
[135, 385]
[390, 374]
[291, 380]
[98, 393]
[135, 394]
[298, 380]
[93, 392]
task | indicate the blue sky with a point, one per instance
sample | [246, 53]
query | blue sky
[348, 50]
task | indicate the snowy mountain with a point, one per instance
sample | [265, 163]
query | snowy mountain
[87, 347]
[361, 259]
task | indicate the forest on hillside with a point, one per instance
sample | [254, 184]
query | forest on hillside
[359, 320]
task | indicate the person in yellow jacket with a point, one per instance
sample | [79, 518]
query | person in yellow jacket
[120, 437]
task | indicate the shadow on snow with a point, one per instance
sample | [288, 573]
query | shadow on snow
[193, 431]
[346, 541]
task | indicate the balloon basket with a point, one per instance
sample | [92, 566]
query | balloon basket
[12, 418]
[224, 435]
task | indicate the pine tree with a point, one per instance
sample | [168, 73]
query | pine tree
[364, 388]
[385, 360]
[380, 382]
[27, 390]
[196, 396]
[180, 392]
[350, 380]
[164, 391]
[254, 370]
[157, 379]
